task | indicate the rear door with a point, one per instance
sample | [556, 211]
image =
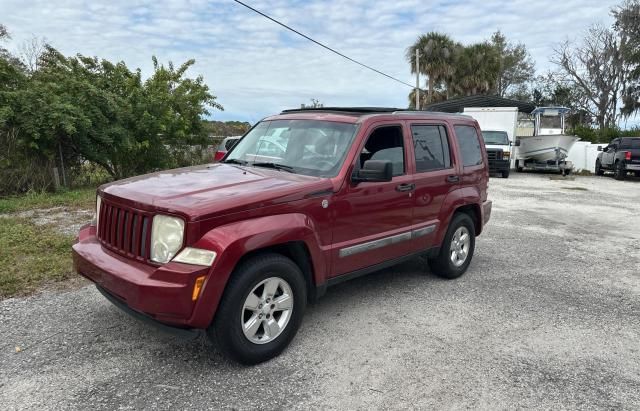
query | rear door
[435, 176]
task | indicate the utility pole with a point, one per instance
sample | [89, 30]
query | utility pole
[417, 79]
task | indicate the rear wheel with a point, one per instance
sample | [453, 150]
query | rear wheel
[457, 248]
[261, 309]
[619, 173]
[599, 170]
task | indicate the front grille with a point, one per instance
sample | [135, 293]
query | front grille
[124, 230]
[494, 154]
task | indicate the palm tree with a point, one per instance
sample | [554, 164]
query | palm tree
[436, 58]
[476, 69]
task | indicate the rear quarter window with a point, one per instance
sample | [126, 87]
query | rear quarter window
[630, 143]
[469, 143]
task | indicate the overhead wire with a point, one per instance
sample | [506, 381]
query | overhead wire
[323, 45]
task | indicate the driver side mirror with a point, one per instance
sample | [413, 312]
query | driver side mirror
[374, 171]
[516, 143]
[599, 148]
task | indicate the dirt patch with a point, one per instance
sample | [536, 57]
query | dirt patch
[65, 220]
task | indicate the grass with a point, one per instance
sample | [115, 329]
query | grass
[31, 256]
[81, 198]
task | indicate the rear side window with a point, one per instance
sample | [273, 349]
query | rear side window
[630, 143]
[469, 143]
[431, 147]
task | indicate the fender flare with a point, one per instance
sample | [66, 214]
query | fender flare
[235, 240]
[461, 197]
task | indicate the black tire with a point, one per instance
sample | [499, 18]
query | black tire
[226, 329]
[442, 265]
[619, 173]
[599, 170]
[518, 168]
[505, 174]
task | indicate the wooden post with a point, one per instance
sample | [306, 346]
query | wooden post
[56, 178]
[64, 175]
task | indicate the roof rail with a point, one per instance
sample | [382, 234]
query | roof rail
[353, 110]
[437, 113]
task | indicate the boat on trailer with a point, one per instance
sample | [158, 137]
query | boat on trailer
[548, 146]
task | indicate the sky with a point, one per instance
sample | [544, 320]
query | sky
[257, 68]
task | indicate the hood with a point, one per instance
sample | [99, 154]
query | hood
[215, 189]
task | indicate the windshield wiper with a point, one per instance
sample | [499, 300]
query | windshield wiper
[274, 165]
[236, 161]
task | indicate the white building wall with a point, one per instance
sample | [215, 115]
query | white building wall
[583, 155]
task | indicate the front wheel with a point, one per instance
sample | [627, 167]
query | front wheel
[457, 248]
[505, 174]
[261, 309]
[599, 170]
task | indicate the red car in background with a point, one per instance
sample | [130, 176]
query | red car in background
[226, 145]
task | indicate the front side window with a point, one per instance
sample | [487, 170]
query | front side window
[469, 143]
[431, 147]
[385, 143]
[309, 147]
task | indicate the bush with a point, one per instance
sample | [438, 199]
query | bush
[605, 135]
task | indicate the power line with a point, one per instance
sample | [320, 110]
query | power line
[322, 45]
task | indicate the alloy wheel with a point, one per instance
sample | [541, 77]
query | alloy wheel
[267, 310]
[460, 243]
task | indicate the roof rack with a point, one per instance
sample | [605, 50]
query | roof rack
[361, 111]
[353, 110]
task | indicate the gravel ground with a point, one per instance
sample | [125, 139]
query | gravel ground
[548, 316]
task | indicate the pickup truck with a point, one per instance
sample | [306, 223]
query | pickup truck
[237, 248]
[622, 155]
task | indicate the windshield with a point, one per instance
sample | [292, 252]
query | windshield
[310, 147]
[498, 138]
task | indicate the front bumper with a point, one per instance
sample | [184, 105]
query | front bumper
[498, 166]
[162, 293]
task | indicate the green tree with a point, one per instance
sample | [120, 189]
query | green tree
[516, 67]
[436, 52]
[627, 26]
[475, 70]
[94, 110]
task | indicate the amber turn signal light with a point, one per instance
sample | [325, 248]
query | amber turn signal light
[197, 288]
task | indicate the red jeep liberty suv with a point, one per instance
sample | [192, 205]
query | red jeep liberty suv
[306, 199]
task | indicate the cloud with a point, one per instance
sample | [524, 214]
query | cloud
[256, 68]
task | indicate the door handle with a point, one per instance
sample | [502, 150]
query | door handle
[453, 179]
[405, 187]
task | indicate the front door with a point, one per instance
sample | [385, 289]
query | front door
[372, 220]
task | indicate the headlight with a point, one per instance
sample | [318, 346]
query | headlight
[196, 256]
[166, 237]
[506, 154]
[97, 217]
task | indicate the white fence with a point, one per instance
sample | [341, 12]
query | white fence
[583, 155]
